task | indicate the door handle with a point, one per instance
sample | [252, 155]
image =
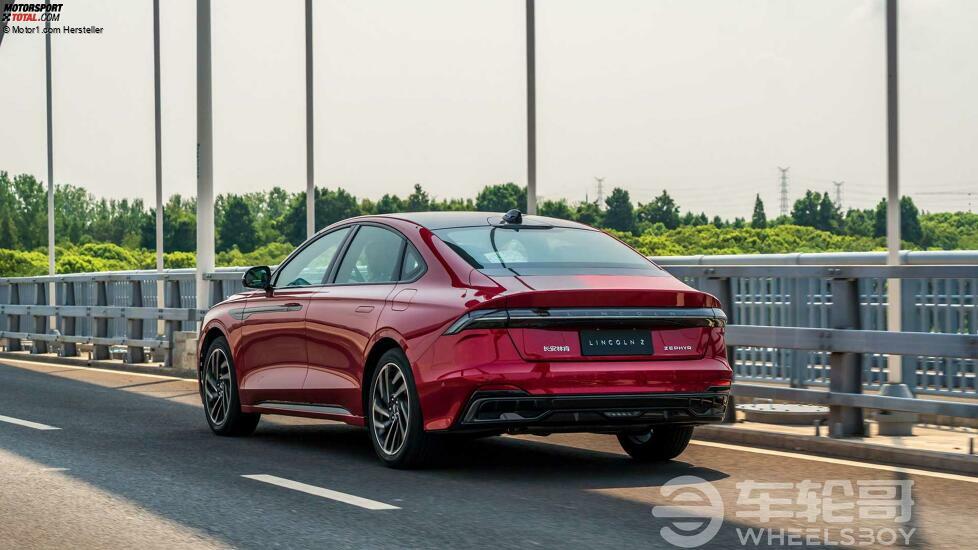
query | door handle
[293, 305]
[365, 309]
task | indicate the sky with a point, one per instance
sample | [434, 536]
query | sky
[703, 98]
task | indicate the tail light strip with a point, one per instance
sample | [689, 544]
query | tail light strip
[550, 317]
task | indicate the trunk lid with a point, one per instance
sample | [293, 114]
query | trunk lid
[608, 317]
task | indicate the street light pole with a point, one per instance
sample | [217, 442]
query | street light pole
[893, 423]
[310, 162]
[531, 110]
[205, 161]
[52, 299]
[159, 160]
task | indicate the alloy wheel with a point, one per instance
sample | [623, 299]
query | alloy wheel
[217, 386]
[390, 408]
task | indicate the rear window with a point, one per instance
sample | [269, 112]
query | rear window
[544, 251]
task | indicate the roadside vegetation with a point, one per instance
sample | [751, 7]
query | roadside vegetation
[98, 234]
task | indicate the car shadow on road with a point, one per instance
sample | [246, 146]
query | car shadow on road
[572, 460]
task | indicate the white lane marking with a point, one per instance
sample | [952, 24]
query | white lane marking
[55, 469]
[322, 492]
[73, 368]
[27, 423]
[839, 461]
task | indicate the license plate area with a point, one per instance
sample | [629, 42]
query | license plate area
[616, 342]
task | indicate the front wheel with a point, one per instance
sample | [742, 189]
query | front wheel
[660, 444]
[394, 415]
[219, 393]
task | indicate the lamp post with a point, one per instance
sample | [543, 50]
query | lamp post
[205, 161]
[531, 110]
[891, 422]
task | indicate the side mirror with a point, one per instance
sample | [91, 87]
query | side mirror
[259, 277]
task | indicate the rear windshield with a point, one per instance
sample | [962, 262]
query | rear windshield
[544, 251]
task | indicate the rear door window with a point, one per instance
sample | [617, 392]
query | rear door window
[373, 257]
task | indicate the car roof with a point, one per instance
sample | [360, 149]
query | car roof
[445, 220]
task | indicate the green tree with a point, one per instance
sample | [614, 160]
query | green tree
[663, 209]
[236, 226]
[501, 198]
[418, 201]
[389, 204]
[619, 214]
[72, 213]
[556, 209]
[860, 223]
[759, 219]
[588, 213]
[829, 217]
[453, 205]
[32, 211]
[331, 207]
[805, 210]
[909, 220]
[9, 237]
[179, 226]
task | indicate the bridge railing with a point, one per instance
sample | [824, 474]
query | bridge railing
[107, 311]
[939, 295]
[799, 324]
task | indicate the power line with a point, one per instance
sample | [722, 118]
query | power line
[969, 194]
[784, 190]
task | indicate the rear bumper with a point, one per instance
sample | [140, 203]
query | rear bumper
[519, 412]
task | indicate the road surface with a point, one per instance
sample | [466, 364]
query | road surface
[100, 459]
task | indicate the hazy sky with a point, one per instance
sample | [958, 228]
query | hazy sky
[704, 98]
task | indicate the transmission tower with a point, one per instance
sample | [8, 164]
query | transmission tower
[600, 189]
[784, 190]
[838, 192]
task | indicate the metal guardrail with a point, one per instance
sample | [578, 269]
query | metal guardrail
[787, 325]
[106, 310]
[824, 325]
[794, 290]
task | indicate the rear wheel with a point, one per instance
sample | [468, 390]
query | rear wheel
[660, 444]
[219, 393]
[394, 415]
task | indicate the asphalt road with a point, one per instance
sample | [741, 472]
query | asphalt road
[133, 464]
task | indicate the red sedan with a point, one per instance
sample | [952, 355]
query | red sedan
[421, 325]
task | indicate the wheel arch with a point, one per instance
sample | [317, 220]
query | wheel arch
[213, 332]
[382, 345]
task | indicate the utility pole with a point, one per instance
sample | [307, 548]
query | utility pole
[600, 189]
[310, 163]
[893, 423]
[838, 193]
[531, 109]
[205, 155]
[159, 162]
[784, 190]
[52, 299]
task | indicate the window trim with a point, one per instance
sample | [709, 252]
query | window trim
[405, 242]
[424, 264]
[309, 242]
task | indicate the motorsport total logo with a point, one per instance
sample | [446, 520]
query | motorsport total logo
[38, 18]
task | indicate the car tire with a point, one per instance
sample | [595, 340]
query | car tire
[660, 444]
[393, 413]
[219, 393]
